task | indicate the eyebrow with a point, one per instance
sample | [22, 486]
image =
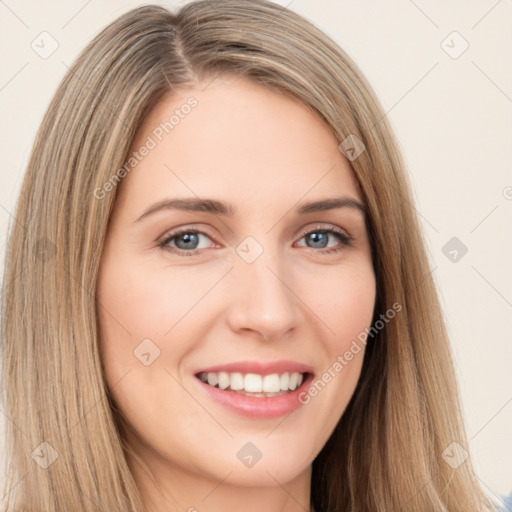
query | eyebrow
[220, 208]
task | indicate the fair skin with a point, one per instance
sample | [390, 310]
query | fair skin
[266, 154]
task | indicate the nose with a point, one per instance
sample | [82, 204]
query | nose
[264, 301]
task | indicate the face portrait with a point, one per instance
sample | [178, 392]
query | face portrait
[251, 290]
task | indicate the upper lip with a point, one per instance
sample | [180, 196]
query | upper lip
[260, 368]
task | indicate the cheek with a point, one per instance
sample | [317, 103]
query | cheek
[136, 302]
[126, 315]
[145, 315]
[136, 307]
[351, 309]
[343, 299]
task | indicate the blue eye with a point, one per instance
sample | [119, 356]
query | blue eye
[185, 242]
[320, 236]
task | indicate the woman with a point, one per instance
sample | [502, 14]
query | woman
[256, 370]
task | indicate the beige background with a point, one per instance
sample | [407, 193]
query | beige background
[452, 117]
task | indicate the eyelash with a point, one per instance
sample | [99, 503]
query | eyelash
[346, 240]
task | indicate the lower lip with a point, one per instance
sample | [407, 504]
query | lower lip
[258, 407]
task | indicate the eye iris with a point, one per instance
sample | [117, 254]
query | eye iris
[187, 237]
[318, 235]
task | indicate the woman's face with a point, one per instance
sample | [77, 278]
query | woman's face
[240, 285]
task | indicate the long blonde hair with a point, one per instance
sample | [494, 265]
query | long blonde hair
[64, 446]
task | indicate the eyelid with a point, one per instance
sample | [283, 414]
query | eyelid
[325, 227]
[303, 231]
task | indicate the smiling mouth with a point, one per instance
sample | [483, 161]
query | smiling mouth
[255, 385]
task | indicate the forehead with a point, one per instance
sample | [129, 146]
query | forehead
[236, 140]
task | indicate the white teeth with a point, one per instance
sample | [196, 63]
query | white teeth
[213, 379]
[294, 378]
[254, 383]
[271, 383]
[223, 380]
[285, 378]
[236, 381]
